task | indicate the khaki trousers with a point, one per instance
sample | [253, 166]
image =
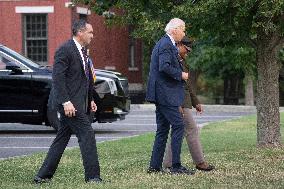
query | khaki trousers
[191, 134]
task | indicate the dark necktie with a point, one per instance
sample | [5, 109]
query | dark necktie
[86, 67]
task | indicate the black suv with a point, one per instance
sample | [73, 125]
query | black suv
[25, 87]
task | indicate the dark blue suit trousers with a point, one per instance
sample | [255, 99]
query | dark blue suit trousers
[167, 116]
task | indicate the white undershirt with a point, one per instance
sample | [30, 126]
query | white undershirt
[79, 47]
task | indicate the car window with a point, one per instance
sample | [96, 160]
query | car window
[2, 65]
[19, 57]
[3, 62]
[4, 59]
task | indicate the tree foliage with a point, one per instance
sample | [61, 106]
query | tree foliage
[221, 62]
[232, 35]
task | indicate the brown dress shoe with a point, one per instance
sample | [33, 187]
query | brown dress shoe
[204, 166]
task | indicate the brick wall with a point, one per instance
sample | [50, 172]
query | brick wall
[109, 48]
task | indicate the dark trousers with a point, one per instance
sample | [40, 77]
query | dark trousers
[166, 116]
[81, 126]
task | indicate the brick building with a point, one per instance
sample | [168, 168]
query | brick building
[35, 28]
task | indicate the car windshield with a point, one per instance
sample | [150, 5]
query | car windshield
[20, 57]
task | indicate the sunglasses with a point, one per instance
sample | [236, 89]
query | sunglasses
[187, 48]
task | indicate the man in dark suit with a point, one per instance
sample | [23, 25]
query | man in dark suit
[191, 130]
[166, 89]
[73, 97]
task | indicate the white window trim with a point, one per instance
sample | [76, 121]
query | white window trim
[133, 69]
[82, 10]
[34, 9]
[110, 68]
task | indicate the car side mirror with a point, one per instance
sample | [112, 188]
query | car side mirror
[13, 67]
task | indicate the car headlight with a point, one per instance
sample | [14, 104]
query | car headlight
[104, 85]
[112, 86]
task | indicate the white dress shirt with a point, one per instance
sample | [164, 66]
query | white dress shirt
[172, 40]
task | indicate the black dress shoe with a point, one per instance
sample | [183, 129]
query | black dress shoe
[207, 168]
[39, 180]
[181, 170]
[95, 180]
[154, 170]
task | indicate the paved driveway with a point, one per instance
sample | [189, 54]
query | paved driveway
[21, 139]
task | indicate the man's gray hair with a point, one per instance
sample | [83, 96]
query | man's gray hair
[173, 24]
[78, 25]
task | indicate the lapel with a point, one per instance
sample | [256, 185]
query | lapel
[78, 56]
[174, 50]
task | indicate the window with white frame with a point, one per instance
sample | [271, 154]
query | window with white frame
[35, 37]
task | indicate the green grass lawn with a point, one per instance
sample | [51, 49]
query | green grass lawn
[230, 146]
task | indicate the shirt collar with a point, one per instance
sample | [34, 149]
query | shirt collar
[172, 39]
[79, 47]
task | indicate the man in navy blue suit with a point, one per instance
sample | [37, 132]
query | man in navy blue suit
[166, 89]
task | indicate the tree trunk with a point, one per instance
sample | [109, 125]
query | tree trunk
[268, 117]
[249, 94]
[232, 87]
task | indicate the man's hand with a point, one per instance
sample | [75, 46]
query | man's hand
[93, 106]
[184, 75]
[199, 109]
[69, 109]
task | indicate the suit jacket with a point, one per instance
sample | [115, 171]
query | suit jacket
[165, 85]
[190, 98]
[69, 79]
